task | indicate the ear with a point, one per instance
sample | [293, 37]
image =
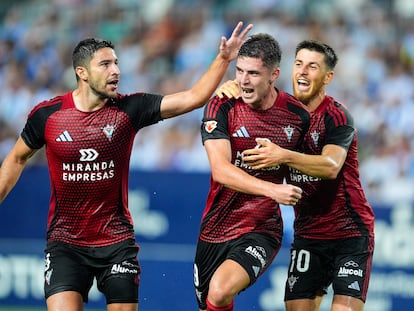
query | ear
[328, 77]
[82, 73]
[275, 75]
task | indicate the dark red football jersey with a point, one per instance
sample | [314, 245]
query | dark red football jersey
[332, 209]
[229, 214]
[88, 158]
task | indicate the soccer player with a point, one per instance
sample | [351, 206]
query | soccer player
[334, 223]
[88, 134]
[241, 227]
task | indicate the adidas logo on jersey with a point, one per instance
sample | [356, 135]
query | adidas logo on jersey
[241, 132]
[65, 136]
[354, 285]
[256, 270]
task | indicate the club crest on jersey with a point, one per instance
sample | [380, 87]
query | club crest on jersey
[292, 281]
[315, 137]
[109, 131]
[210, 126]
[289, 131]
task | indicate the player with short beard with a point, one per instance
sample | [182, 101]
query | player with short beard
[90, 231]
[334, 223]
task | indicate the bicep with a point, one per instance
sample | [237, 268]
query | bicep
[218, 152]
[176, 104]
[21, 152]
[224, 172]
[336, 154]
[13, 166]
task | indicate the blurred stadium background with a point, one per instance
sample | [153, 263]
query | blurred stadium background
[163, 47]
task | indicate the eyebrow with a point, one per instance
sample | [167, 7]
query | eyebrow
[248, 71]
[310, 63]
[102, 61]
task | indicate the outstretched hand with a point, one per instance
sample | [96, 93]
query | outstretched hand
[230, 48]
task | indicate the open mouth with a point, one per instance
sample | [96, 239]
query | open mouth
[114, 83]
[247, 90]
[303, 84]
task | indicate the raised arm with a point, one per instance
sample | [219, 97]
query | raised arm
[326, 165]
[13, 166]
[225, 173]
[182, 102]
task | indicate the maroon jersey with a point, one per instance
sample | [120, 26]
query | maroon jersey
[332, 209]
[229, 214]
[88, 157]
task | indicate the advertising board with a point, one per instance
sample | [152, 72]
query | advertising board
[167, 208]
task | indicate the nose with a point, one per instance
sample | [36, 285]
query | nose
[117, 70]
[244, 78]
[302, 70]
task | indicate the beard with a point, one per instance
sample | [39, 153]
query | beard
[302, 97]
[102, 94]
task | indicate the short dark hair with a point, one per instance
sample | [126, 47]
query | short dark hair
[330, 57]
[264, 47]
[85, 49]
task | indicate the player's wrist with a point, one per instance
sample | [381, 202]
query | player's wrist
[222, 57]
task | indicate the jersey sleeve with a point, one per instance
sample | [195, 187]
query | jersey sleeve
[340, 127]
[143, 108]
[215, 119]
[33, 133]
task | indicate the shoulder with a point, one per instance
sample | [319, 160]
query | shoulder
[295, 107]
[289, 97]
[291, 101]
[338, 111]
[50, 105]
[138, 96]
[217, 104]
[139, 100]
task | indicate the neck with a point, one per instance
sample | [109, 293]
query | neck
[87, 102]
[315, 101]
[269, 100]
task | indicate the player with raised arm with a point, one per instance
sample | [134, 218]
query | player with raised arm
[88, 135]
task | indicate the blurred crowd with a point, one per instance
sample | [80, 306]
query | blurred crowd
[163, 46]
